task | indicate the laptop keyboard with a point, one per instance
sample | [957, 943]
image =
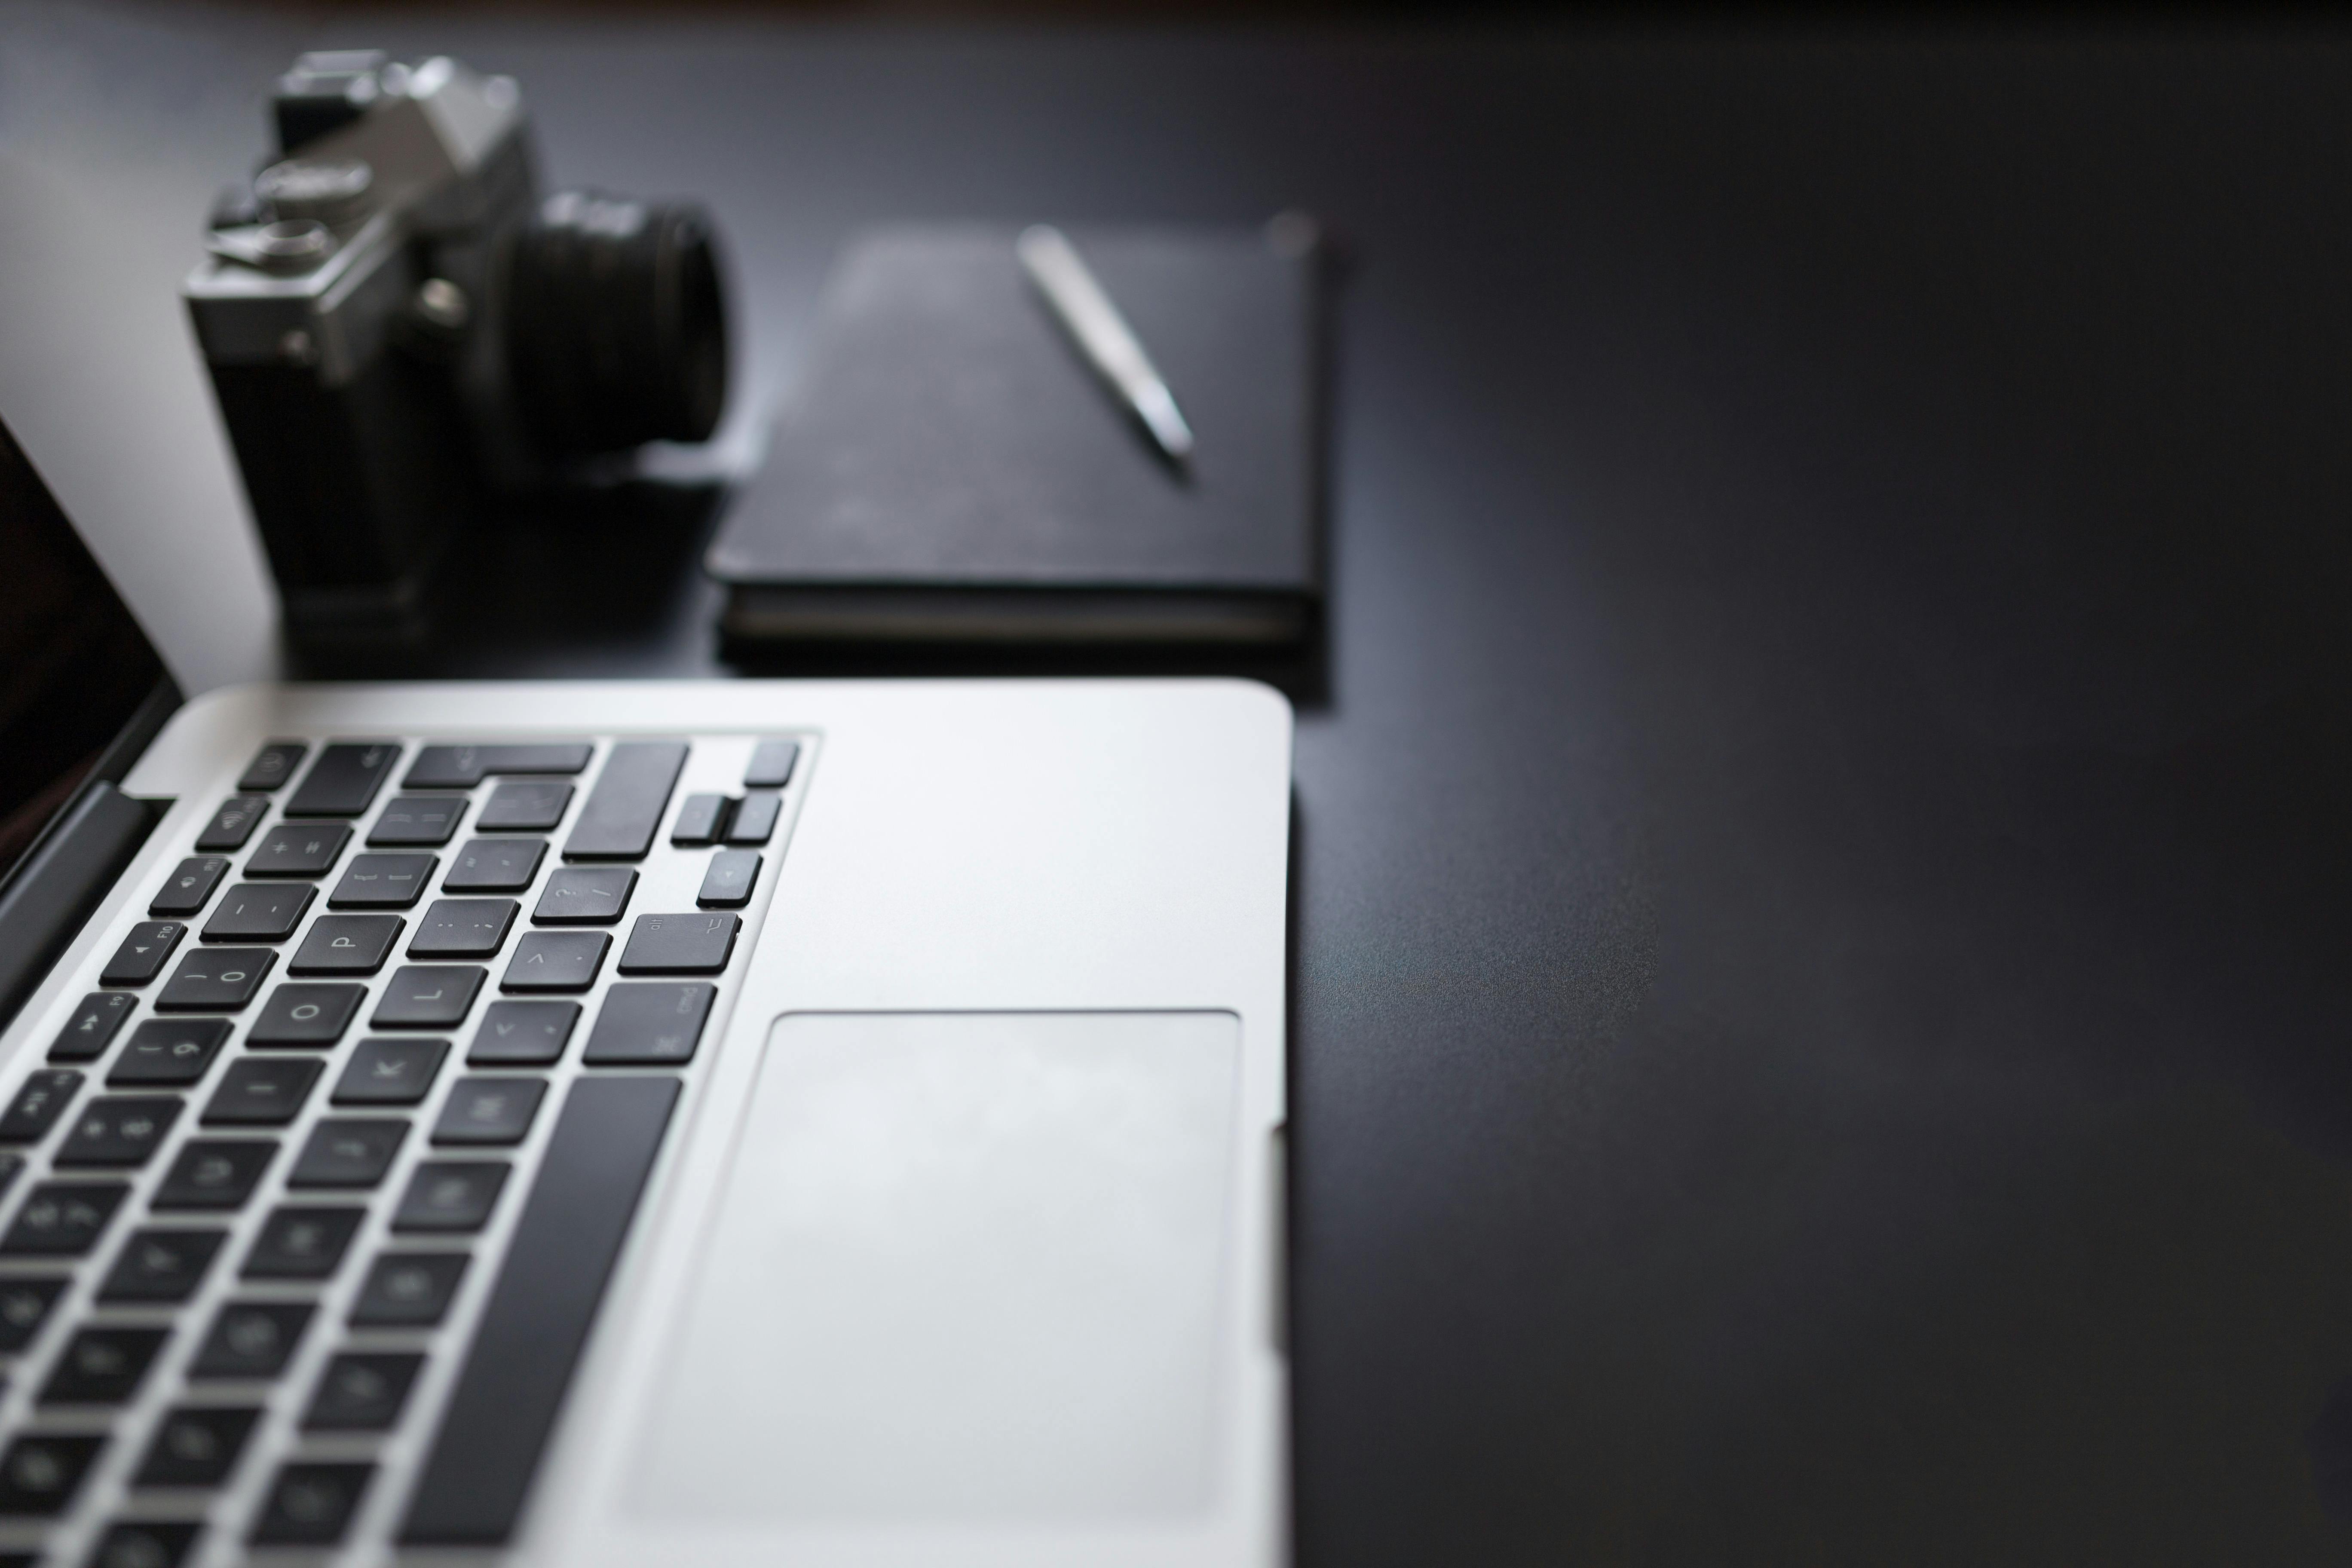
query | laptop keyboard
[307, 1207]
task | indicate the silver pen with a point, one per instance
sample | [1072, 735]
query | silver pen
[1103, 335]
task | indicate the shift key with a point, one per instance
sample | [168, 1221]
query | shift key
[625, 810]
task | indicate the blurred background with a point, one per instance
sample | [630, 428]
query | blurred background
[1820, 999]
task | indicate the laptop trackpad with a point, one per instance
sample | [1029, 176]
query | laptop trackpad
[965, 1266]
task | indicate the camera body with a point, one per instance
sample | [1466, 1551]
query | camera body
[398, 328]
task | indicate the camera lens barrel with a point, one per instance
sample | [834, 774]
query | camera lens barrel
[616, 327]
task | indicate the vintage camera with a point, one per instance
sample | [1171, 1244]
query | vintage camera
[399, 329]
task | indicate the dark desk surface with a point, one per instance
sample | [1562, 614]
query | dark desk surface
[1821, 983]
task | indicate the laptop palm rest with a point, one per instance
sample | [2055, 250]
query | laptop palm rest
[964, 1267]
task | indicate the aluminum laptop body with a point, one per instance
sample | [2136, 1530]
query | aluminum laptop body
[750, 1122]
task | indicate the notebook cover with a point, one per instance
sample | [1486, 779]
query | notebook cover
[950, 465]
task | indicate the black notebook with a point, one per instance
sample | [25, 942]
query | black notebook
[949, 467]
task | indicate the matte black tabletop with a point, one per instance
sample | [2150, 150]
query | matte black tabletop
[1822, 921]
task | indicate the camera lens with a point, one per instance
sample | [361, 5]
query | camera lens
[616, 329]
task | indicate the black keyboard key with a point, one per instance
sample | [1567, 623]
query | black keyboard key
[462, 928]
[525, 806]
[361, 1392]
[427, 997]
[251, 1340]
[144, 1543]
[680, 944]
[556, 961]
[489, 1111]
[346, 945]
[261, 911]
[301, 1242]
[196, 1446]
[188, 888]
[408, 1291]
[390, 1071]
[344, 779]
[428, 819]
[233, 824]
[727, 884]
[38, 1104]
[92, 1026]
[118, 1129]
[383, 881]
[40, 1473]
[755, 816]
[348, 1151]
[158, 1264]
[312, 1014]
[298, 849]
[771, 764]
[585, 895]
[262, 1092]
[11, 1167]
[522, 1034]
[215, 1173]
[103, 1366]
[63, 1219]
[310, 1505]
[539, 1310]
[623, 812]
[449, 767]
[495, 866]
[215, 980]
[450, 1196]
[464, 766]
[649, 1024]
[142, 954]
[25, 1303]
[168, 1053]
[272, 766]
[701, 819]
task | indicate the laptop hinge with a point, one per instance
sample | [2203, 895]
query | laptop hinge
[61, 880]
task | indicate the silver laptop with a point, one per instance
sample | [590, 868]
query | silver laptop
[759, 1122]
